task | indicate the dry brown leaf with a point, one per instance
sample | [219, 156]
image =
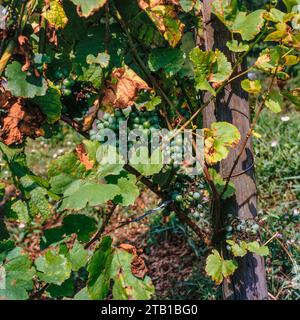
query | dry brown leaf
[83, 156]
[90, 116]
[19, 122]
[124, 90]
[138, 266]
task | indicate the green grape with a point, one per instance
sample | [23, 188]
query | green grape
[67, 92]
[196, 195]
[136, 120]
[58, 74]
[147, 125]
[68, 83]
[179, 198]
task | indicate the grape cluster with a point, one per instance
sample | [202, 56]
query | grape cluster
[142, 120]
[191, 196]
[242, 229]
[64, 81]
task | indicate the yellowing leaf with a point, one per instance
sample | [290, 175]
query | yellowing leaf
[218, 139]
[55, 15]
[218, 268]
[251, 86]
[255, 247]
[165, 18]
[256, 134]
[238, 250]
[274, 101]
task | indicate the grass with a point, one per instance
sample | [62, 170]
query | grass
[277, 175]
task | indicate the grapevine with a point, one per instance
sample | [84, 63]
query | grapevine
[160, 102]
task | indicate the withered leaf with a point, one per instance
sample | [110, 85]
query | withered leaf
[138, 266]
[83, 156]
[123, 90]
[19, 121]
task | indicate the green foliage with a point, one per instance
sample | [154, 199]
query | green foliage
[18, 276]
[218, 268]
[24, 85]
[50, 104]
[98, 62]
[168, 59]
[108, 263]
[88, 7]
[210, 66]
[53, 267]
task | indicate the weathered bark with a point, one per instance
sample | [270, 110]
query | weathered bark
[231, 105]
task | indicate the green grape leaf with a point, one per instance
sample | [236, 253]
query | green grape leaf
[187, 5]
[83, 294]
[218, 268]
[290, 4]
[202, 61]
[109, 160]
[128, 190]
[18, 210]
[275, 15]
[19, 275]
[101, 59]
[238, 250]
[66, 289]
[168, 59]
[210, 66]
[53, 267]
[220, 184]
[187, 45]
[251, 86]
[256, 248]
[248, 25]
[77, 256]
[153, 103]
[274, 101]
[63, 171]
[218, 139]
[81, 225]
[144, 164]
[39, 204]
[99, 270]
[236, 46]
[22, 84]
[55, 15]
[50, 104]
[81, 193]
[221, 68]
[87, 8]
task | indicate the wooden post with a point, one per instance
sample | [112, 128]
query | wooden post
[231, 105]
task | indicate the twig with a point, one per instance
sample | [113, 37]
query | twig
[104, 223]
